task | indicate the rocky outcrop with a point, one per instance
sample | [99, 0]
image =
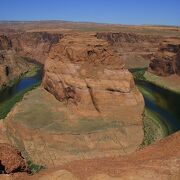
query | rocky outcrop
[85, 73]
[158, 161]
[12, 66]
[35, 45]
[135, 49]
[167, 60]
[11, 160]
[120, 38]
[94, 89]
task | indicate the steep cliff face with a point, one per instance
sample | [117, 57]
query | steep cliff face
[85, 73]
[17, 46]
[167, 60]
[120, 38]
[11, 65]
[35, 45]
[135, 49]
[5, 42]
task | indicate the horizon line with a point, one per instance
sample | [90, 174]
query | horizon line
[83, 22]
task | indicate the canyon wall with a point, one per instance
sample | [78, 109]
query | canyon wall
[16, 47]
[167, 60]
[12, 66]
[135, 49]
[35, 45]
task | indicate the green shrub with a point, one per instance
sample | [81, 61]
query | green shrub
[138, 73]
[34, 168]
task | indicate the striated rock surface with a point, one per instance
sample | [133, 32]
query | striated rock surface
[12, 66]
[167, 60]
[5, 42]
[82, 69]
[11, 160]
[158, 161]
[35, 45]
[84, 72]
[135, 49]
[16, 47]
[119, 38]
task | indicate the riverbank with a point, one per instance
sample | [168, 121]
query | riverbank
[6, 106]
[154, 129]
[171, 83]
[161, 116]
[16, 90]
[33, 70]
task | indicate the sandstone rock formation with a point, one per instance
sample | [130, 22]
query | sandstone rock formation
[35, 45]
[135, 49]
[5, 42]
[11, 160]
[91, 116]
[14, 47]
[158, 161]
[82, 64]
[120, 38]
[12, 66]
[88, 76]
[167, 60]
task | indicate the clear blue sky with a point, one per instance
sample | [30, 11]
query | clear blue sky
[165, 12]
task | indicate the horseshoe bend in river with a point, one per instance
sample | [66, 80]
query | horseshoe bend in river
[165, 103]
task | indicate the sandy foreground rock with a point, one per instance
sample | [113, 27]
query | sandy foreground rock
[40, 127]
[160, 161]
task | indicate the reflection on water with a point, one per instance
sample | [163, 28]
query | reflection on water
[165, 103]
[21, 85]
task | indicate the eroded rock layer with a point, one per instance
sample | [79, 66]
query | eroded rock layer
[135, 49]
[167, 60]
[12, 66]
[35, 45]
[88, 76]
[158, 161]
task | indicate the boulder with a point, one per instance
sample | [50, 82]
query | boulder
[11, 160]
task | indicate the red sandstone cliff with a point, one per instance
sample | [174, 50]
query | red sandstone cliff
[167, 60]
[12, 66]
[35, 45]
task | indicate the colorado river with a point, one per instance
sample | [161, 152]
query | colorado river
[21, 85]
[11, 95]
[164, 103]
